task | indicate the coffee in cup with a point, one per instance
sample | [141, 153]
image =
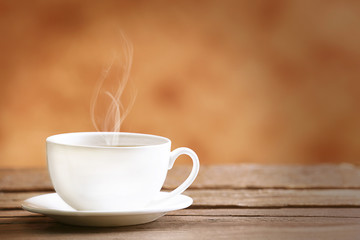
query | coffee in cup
[91, 175]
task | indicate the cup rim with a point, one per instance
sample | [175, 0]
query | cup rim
[54, 140]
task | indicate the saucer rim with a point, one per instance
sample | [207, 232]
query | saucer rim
[31, 207]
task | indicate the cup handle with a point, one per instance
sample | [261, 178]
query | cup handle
[194, 172]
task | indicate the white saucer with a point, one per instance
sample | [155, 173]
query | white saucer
[53, 206]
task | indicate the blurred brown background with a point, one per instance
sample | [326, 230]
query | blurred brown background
[237, 81]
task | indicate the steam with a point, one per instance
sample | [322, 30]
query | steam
[116, 112]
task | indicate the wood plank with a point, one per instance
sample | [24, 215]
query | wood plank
[17, 213]
[234, 212]
[275, 198]
[270, 176]
[219, 176]
[192, 227]
[25, 180]
[249, 208]
[13, 200]
[271, 212]
[235, 198]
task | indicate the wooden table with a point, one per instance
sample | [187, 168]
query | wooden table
[230, 202]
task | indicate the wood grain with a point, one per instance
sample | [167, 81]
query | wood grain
[192, 227]
[270, 176]
[230, 202]
[25, 180]
[332, 212]
[274, 198]
[241, 198]
[324, 176]
[272, 212]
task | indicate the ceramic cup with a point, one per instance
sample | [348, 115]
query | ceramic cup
[88, 174]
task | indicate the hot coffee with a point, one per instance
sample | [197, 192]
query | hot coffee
[89, 175]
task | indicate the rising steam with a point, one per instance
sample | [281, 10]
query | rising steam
[116, 112]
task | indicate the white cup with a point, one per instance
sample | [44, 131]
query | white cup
[90, 175]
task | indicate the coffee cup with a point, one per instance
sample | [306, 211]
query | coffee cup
[112, 171]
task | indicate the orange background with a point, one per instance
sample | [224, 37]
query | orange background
[237, 81]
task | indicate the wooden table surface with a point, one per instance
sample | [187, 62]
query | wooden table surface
[230, 202]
